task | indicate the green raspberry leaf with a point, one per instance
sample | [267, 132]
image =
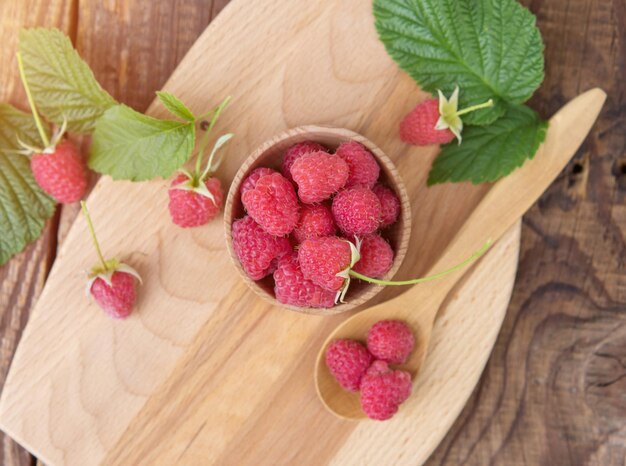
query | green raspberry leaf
[62, 84]
[489, 48]
[175, 106]
[128, 145]
[24, 207]
[491, 152]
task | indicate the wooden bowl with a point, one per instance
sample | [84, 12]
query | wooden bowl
[270, 154]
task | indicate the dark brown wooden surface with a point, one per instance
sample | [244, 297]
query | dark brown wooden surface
[554, 390]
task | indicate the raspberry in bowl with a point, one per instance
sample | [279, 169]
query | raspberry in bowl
[306, 209]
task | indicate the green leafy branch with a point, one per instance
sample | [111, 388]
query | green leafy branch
[24, 207]
[491, 49]
[126, 144]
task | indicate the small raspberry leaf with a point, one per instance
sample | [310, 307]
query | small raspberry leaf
[62, 84]
[128, 145]
[175, 106]
[24, 207]
[490, 152]
[491, 49]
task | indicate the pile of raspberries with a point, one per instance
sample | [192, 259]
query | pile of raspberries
[366, 369]
[298, 222]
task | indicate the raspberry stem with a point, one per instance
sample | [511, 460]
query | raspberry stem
[83, 206]
[436, 276]
[31, 102]
[489, 103]
[205, 139]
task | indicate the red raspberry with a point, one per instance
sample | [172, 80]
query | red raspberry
[192, 209]
[273, 204]
[364, 169]
[389, 203]
[257, 250]
[253, 177]
[321, 259]
[347, 361]
[62, 173]
[418, 126]
[117, 299]
[391, 341]
[315, 221]
[376, 257]
[319, 175]
[296, 151]
[383, 390]
[292, 288]
[357, 211]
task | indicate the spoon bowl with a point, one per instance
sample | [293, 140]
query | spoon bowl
[500, 208]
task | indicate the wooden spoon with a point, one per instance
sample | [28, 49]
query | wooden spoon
[501, 207]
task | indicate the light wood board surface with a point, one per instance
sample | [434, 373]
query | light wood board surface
[204, 372]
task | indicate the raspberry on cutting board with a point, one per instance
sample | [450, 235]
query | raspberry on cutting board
[189, 208]
[117, 297]
[111, 283]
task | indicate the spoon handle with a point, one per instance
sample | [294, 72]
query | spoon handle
[512, 196]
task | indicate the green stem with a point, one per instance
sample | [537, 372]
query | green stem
[83, 206]
[31, 102]
[216, 114]
[218, 111]
[203, 143]
[489, 103]
[467, 261]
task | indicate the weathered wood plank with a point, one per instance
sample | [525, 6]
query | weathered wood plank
[553, 392]
[22, 278]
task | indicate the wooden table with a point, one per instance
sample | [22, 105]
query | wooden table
[553, 391]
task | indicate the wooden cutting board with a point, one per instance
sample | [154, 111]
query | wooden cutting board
[204, 372]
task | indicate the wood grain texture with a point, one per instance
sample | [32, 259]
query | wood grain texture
[166, 385]
[22, 278]
[553, 391]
